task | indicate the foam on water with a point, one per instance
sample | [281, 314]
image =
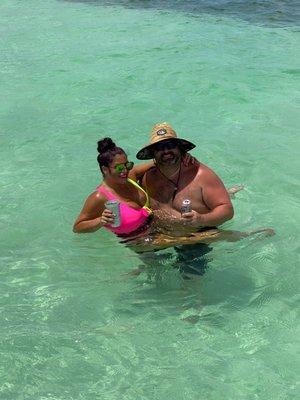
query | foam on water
[73, 326]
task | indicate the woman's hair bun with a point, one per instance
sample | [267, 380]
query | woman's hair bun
[105, 145]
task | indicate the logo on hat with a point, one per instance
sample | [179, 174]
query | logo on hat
[161, 132]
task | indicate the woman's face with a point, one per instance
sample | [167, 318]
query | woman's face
[118, 169]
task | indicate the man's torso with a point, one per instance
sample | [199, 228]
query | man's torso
[164, 195]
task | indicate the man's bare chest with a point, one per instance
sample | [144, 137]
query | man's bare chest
[173, 193]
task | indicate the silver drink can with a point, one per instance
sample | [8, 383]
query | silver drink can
[114, 206]
[186, 206]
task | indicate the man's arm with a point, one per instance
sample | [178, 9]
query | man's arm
[217, 200]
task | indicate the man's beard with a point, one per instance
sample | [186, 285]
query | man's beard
[168, 158]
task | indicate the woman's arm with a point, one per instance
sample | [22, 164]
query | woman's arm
[138, 171]
[93, 215]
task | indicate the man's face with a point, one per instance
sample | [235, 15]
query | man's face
[167, 152]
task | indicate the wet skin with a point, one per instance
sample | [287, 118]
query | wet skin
[171, 182]
[94, 215]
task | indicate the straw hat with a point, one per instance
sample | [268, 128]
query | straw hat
[159, 132]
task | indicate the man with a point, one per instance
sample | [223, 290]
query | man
[170, 182]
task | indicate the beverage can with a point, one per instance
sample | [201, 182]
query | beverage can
[114, 206]
[186, 206]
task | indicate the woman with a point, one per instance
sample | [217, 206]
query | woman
[119, 183]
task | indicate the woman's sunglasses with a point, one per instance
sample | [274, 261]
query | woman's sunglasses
[120, 167]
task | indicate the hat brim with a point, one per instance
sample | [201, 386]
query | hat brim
[147, 152]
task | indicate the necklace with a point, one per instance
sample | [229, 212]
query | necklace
[171, 181]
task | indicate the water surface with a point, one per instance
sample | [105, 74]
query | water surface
[73, 327]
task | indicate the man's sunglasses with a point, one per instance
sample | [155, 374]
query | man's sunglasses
[120, 167]
[165, 145]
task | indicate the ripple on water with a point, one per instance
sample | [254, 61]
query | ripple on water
[71, 325]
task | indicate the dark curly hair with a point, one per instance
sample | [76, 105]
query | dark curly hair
[107, 150]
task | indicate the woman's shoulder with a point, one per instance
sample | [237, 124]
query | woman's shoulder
[97, 197]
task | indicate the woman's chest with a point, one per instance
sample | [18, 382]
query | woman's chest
[134, 198]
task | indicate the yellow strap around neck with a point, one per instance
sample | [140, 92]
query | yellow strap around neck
[147, 204]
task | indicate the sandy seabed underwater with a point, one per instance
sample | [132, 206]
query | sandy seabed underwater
[226, 76]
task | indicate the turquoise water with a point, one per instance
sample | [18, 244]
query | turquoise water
[72, 325]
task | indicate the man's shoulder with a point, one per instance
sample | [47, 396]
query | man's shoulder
[201, 173]
[197, 169]
[149, 176]
[205, 170]
[151, 172]
[208, 176]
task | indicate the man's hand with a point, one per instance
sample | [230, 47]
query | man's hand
[193, 218]
[107, 217]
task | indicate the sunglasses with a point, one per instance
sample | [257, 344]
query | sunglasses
[120, 167]
[165, 145]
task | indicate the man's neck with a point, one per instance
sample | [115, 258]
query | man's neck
[169, 170]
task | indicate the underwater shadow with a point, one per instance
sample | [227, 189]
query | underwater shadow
[181, 284]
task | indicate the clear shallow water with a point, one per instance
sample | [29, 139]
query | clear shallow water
[72, 326]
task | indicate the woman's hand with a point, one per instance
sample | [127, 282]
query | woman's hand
[107, 217]
[188, 159]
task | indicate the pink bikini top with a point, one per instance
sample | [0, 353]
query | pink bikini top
[131, 218]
